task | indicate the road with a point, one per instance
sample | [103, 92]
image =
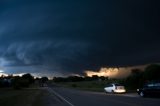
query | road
[72, 97]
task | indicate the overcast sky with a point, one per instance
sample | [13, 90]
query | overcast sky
[69, 36]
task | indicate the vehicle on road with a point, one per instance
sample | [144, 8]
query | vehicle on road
[149, 89]
[115, 88]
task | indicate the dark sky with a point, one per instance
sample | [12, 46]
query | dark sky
[69, 36]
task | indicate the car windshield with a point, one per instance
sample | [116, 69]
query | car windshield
[118, 85]
[157, 84]
[152, 85]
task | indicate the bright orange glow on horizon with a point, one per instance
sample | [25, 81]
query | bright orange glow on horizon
[107, 72]
[121, 72]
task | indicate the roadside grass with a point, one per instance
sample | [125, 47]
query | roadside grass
[85, 85]
[23, 97]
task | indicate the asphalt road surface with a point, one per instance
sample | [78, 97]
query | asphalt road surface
[72, 97]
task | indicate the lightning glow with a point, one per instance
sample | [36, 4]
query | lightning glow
[121, 72]
[107, 72]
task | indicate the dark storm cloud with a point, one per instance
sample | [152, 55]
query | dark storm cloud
[72, 36]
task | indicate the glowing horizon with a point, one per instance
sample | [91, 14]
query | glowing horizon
[106, 72]
[121, 72]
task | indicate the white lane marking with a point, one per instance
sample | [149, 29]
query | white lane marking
[60, 97]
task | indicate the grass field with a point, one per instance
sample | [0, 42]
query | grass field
[10, 97]
[85, 85]
[25, 97]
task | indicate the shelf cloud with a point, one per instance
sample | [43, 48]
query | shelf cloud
[65, 37]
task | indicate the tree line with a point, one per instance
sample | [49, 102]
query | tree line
[79, 78]
[18, 82]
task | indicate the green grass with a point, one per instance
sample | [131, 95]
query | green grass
[23, 97]
[86, 85]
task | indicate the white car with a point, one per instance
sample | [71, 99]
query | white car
[115, 88]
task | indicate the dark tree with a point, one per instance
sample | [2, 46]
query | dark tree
[28, 77]
[152, 72]
[95, 77]
[135, 79]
